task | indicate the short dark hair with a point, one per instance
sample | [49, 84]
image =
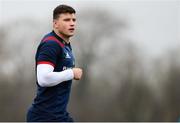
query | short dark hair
[62, 9]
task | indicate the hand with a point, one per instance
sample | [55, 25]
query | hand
[77, 73]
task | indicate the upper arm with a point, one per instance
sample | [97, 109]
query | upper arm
[48, 53]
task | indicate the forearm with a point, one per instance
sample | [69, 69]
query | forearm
[47, 78]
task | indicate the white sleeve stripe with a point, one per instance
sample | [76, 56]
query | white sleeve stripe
[47, 78]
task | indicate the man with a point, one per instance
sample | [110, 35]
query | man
[55, 70]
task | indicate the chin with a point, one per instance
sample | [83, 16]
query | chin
[70, 35]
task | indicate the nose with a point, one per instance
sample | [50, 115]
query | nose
[72, 23]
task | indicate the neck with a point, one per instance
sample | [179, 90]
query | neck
[65, 38]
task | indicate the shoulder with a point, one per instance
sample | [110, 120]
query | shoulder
[52, 40]
[49, 45]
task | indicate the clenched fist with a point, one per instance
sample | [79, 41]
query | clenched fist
[77, 73]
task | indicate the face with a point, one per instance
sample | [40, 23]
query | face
[65, 24]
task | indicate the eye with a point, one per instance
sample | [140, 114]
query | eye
[74, 19]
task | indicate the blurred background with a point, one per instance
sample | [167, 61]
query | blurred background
[128, 49]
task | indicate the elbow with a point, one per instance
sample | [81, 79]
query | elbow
[42, 81]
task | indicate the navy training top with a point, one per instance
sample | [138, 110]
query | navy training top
[50, 103]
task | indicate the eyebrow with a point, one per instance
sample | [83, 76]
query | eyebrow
[69, 19]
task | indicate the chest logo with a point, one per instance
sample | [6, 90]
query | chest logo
[67, 56]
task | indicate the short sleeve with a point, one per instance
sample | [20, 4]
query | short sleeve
[48, 53]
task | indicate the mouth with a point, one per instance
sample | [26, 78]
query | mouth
[71, 29]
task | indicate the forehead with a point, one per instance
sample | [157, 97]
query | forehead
[67, 15]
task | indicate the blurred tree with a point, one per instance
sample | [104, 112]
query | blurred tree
[18, 40]
[171, 86]
[96, 29]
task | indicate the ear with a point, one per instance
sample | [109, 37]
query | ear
[55, 23]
